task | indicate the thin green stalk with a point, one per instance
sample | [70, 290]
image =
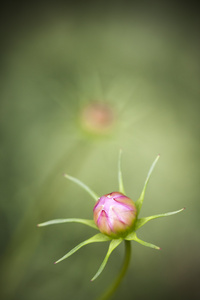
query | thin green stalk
[113, 287]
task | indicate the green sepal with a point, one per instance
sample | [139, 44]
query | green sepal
[113, 244]
[133, 237]
[139, 202]
[120, 179]
[141, 222]
[100, 237]
[89, 223]
[83, 185]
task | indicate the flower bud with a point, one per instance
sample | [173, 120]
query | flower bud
[97, 118]
[115, 214]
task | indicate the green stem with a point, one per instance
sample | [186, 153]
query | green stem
[113, 287]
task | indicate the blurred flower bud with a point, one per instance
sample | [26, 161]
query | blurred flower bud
[115, 214]
[97, 118]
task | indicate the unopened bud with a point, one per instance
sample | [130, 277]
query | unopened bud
[115, 214]
[97, 118]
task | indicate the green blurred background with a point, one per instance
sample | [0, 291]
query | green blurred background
[142, 61]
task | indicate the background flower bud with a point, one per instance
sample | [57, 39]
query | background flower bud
[97, 118]
[115, 214]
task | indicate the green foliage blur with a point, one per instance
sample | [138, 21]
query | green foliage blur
[143, 63]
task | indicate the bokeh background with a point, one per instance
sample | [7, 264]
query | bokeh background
[140, 62]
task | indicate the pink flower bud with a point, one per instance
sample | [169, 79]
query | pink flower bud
[115, 214]
[97, 118]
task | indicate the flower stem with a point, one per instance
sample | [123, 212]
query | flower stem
[113, 287]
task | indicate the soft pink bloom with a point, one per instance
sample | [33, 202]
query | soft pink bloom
[115, 214]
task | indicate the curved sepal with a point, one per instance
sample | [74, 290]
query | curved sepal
[139, 202]
[89, 223]
[133, 237]
[83, 185]
[113, 244]
[120, 179]
[96, 238]
[141, 222]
